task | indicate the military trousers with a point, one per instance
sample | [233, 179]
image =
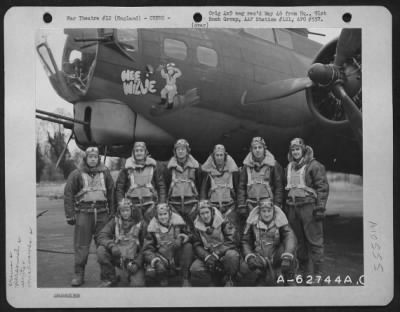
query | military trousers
[187, 208]
[111, 268]
[178, 265]
[268, 274]
[228, 210]
[228, 267]
[87, 227]
[309, 233]
[146, 206]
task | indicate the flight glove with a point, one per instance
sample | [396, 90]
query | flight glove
[211, 263]
[319, 214]
[115, 251]
[71, 221]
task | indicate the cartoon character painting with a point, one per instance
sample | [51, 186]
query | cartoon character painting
[170, 73]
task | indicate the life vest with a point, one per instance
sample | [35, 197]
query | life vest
[94, 188]
[128, 242]
[214, 240]
[267, 238]
[182, 184]
[211, 237]
[221, 188]
[296, 183]
[165, 236]
[258, 183]
[141, 183]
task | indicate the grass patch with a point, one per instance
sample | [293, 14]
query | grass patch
[55, 190]
[52, 190]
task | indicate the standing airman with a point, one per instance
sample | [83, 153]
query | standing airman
[88, 201]
[184, 176]
[220, 181]
[260, 179]
[141, 181]
[307, 193]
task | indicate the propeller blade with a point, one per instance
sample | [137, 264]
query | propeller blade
[352, 112]
[348, 44]
[275, 90]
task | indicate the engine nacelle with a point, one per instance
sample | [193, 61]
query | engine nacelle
[110, 122]
[113, 123]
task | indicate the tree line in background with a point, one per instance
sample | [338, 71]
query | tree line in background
[51, 141]
[48, 152]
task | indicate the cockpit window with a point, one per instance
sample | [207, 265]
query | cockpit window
[128, 39]
[79, 59]
[207, 56]
[175, 49]
[75, 55]
[47, 60]
[266, 34]
[284, 38]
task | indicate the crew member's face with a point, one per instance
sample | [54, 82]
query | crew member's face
[181, 152]
[258, 151]
[267, 213]
[125, 213]
[297, 152]
[219, 158]
[205, 215]
[170, 70]
[140, 153]
[92, 160]
[163, 217]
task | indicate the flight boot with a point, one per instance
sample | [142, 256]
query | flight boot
[186, 283]
[164, 282]
[290, 279]
[78, 279]
[318, 276]
[229, 282]
[109, 282]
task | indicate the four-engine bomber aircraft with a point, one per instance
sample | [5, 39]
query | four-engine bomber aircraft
[211, 86]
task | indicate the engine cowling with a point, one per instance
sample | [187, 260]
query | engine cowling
[324, 105]
[113, 123]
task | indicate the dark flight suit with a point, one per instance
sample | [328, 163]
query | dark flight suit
[140, 183]
[220, 240]
[128, 236]
[307, 194]
[268, 243]
[88, 196]
[163, 244]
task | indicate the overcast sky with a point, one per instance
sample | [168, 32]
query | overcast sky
[47, 99]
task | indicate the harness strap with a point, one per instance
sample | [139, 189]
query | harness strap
[251, 181]
[176, 180]
[91, 210]
[86, 184]
[117, 229]
[228, 212]
[302, 184]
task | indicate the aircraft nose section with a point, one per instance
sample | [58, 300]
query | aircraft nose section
[77, 52]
